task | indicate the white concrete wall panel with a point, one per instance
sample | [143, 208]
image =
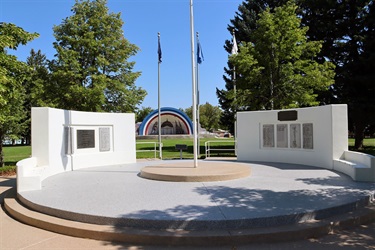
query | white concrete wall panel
[329, 136]
[49, 140]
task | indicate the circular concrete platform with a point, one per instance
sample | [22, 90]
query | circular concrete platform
[205, 171]
[276, 202]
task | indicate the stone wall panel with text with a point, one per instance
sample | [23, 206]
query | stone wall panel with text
[288, 135]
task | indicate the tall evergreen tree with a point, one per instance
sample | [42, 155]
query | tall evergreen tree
[244, 24]
[92, 71]
[278, 70]
[12, 75]
[347, 29]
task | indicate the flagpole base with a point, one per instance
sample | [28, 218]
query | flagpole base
[208, 171]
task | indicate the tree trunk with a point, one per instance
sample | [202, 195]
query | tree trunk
[359, 135]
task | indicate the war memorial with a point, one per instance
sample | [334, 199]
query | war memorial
[293, 178]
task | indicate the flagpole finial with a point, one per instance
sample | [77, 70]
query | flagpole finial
[158, 34]
[233, 31]
[197, 34]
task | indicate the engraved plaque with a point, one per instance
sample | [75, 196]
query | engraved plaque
[295, 135]
[85, 138]
[282, 135]
[289, 115]
[104, 139]
[268, 136]
[307, 130]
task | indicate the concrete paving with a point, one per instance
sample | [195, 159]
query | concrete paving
[296, 188]
[282, 192]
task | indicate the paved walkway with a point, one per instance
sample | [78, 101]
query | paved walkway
[15, 235]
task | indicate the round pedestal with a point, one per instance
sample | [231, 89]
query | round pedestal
[205, 171]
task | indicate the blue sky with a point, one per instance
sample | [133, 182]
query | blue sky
[143, 20]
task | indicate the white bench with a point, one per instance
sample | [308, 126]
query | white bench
[359, 166]
[29, 174]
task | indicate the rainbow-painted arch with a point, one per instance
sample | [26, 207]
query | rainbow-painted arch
[173, 121]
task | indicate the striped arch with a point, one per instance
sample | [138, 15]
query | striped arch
[174, 121]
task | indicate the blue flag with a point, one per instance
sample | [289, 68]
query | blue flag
[200, 57]
[159, 50]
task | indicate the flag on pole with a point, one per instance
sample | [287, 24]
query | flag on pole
[200, 57]
[159, 49]
[234, 48]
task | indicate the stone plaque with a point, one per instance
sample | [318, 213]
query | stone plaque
[85, 138]
[104, 139]
[295, 135]
[289, 115]
[282, 135]
[307, 130]
[268, 136]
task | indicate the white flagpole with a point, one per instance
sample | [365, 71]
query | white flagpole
[235, 52]
[159, 122]
[195, 129]
[198, 101]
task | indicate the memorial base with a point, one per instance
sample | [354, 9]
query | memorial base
[186, 172]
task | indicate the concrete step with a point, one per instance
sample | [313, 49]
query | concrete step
[309, 229]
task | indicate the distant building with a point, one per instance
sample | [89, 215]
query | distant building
[173, 122]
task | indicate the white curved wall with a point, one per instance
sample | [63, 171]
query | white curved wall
[330, 136]
[56, 147]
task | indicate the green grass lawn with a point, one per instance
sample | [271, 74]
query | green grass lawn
[368, 146]
[170, 152]
[13, 154]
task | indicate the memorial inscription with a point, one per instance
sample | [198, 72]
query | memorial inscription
[104, 139]
[295, 135]
[282, 135]
[268, 136]
[307, 129]
[85, 138]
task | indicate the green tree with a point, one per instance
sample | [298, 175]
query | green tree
[12, 75]
[142, 113]
[243, 23]
[92, 71]
[209, 116]
[347, 29]
[278, 70]
[37, 92]
[188, 112]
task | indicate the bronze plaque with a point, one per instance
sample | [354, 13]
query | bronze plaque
[85, 138]
[289, 115]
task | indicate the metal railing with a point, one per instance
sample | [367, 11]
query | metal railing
[156, 148]
[209, 149]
